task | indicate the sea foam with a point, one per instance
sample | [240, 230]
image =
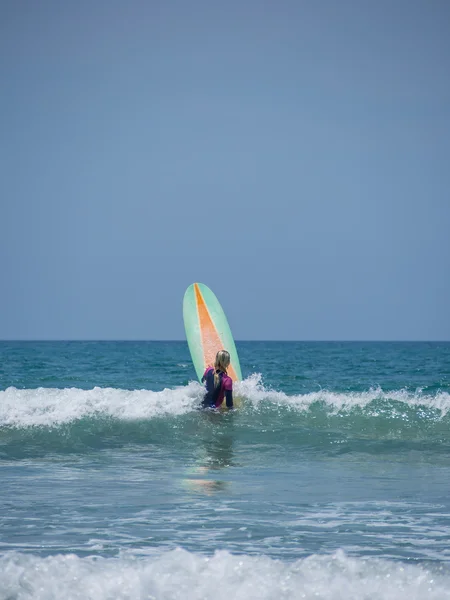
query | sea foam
[181, 575]
[51, 407]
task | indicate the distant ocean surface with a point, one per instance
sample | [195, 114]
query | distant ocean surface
[331, 482]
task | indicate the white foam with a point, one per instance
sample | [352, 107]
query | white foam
[182, 575]
[253, 389]
[52, 407]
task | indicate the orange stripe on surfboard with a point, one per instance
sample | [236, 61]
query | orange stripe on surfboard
[211, 341]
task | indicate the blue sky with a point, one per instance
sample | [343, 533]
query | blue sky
[294, 156]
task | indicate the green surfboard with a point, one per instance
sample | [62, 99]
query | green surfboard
[207, 330]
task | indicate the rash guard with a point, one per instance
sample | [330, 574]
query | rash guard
[214, 395]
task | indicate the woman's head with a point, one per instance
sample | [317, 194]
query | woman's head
[222, 360]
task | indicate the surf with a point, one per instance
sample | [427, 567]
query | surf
[179, 573]
[372, 414]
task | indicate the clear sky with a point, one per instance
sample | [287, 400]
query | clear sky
[292, 155]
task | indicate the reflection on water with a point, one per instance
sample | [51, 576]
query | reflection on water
[205, 486]
[215, 452]
[218, 452]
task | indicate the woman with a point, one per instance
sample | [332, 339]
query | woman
[218, 383]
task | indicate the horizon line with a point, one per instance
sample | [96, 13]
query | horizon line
[326, 341]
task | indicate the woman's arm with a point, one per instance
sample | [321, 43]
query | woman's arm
[229, 398]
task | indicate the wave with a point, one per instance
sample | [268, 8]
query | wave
[51, 407]
[254, 390]
[181, 574]
[73, 418]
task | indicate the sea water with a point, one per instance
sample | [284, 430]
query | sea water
[331, 481]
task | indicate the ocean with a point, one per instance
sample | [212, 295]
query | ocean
[332, 481]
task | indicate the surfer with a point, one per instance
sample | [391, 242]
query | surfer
[218, 383]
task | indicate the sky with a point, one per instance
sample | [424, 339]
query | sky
[293, 155]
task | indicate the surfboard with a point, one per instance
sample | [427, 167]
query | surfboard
[207, 330]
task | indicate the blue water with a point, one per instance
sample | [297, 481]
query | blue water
[331, 481]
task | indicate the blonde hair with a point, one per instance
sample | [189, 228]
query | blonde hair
[221, 364]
